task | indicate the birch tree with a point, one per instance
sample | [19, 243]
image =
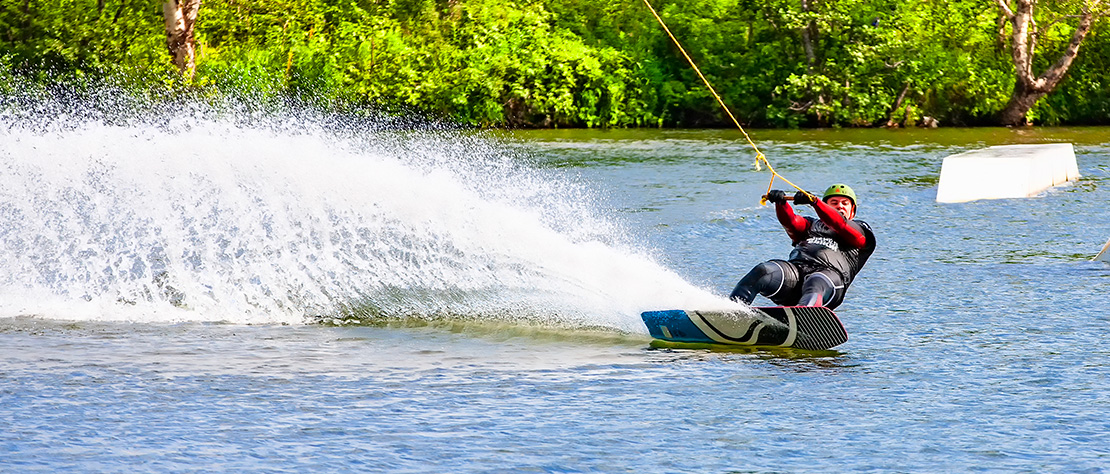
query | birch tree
[181, 16]
[1024, 36]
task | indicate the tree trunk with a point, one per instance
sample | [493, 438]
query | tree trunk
[1023, 41]
[809, 40]
[809, 36]
[180, 17]
[890, 123]
[1021, 100]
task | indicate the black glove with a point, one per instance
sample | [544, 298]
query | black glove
[802, 198]
[776, 196]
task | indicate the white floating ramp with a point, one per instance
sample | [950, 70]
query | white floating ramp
[1008, 171]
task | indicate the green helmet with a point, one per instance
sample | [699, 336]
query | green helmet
[841, 190]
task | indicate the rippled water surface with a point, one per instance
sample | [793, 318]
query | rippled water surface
[495, 327]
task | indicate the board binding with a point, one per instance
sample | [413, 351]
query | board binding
[800, 327]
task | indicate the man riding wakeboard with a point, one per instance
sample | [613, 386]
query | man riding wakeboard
[828, 252]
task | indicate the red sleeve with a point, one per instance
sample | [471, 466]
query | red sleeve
[796, 226]
[849, 232]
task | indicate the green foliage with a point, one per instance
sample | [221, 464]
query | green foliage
[75, 37]
[577, 63]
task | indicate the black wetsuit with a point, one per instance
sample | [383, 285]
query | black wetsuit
[819, 271]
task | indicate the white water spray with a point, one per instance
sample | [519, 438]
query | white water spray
[214, 220]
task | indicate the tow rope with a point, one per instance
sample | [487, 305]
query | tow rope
[759, 156]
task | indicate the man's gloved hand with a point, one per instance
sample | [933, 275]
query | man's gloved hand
[776, 196]
[803, 198]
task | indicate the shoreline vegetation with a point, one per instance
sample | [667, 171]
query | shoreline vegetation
[589, 64]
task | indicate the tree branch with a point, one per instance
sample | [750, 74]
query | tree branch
[1005, 9]
[1047, 81]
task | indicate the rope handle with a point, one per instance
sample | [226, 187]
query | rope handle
[787, 197]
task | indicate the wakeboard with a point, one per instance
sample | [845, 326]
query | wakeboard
[801, 327]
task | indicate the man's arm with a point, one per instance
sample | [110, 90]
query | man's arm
[796, 226]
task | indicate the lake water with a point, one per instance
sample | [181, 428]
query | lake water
[295, 294]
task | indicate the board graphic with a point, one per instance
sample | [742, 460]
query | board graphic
[802, 327]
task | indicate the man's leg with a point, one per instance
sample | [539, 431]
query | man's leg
[822, 288]
[774, 279]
